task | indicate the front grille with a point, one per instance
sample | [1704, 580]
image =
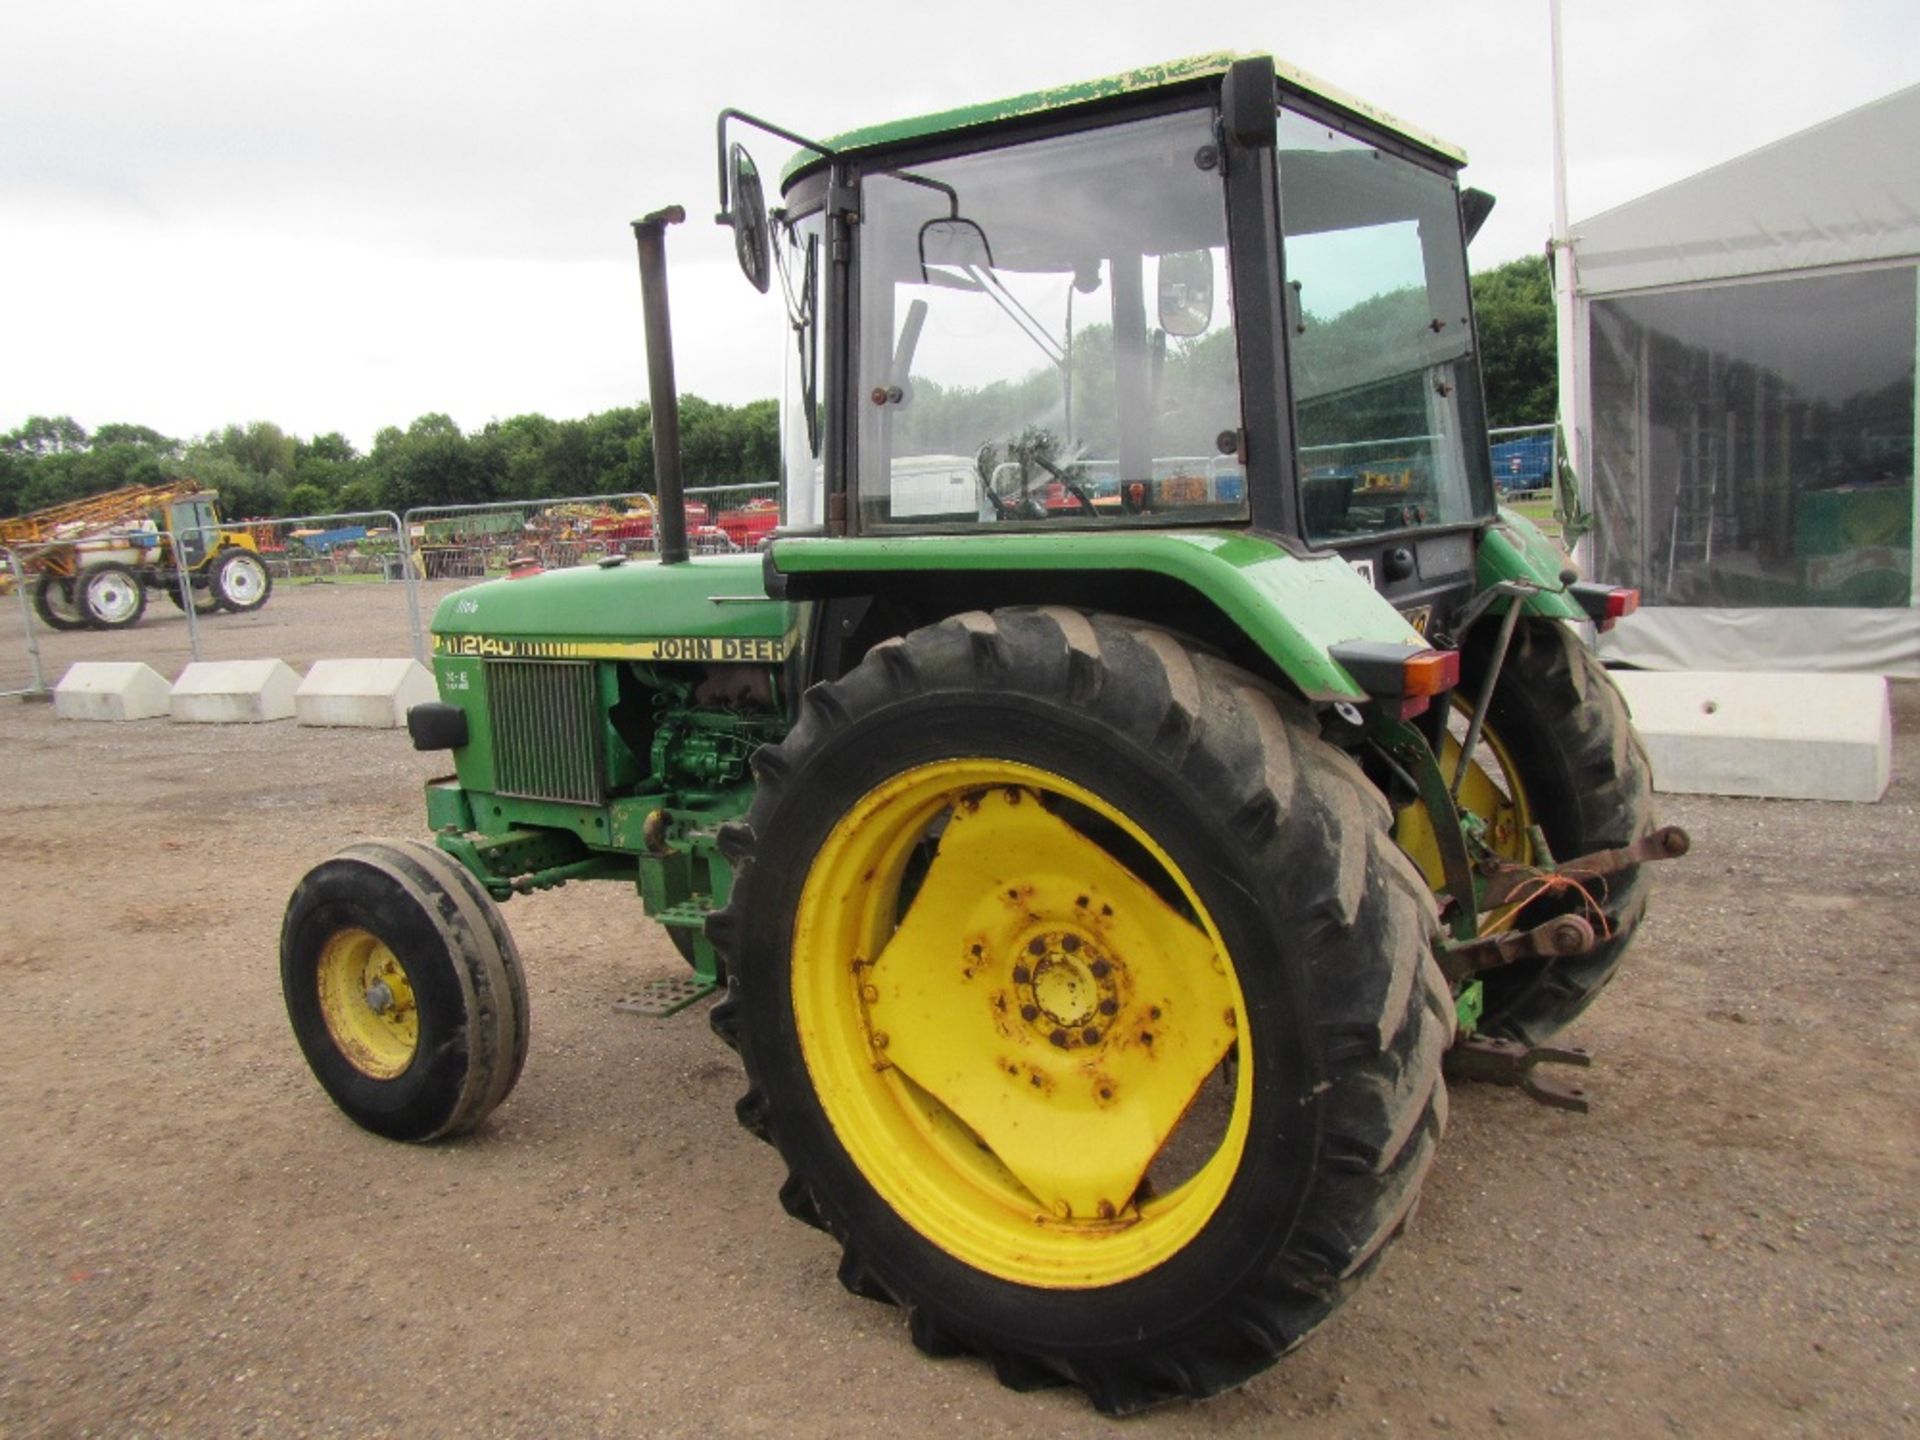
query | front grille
[546, 730]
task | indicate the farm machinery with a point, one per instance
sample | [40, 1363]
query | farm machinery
[93, 560]
[1142, 767]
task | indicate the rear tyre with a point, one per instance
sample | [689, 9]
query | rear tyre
[110, 595]
[1564, 730]
[54, 602]
[1087, 999]
[404, 989]
[240, 581]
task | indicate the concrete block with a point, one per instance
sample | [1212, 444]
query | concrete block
[373, 694]
[1788, 736]
[110, 690]
[234, 692]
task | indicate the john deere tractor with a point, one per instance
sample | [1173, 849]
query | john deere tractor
[1141, 767]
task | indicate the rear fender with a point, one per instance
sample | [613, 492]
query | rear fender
[1292, 608]
[1514, 548]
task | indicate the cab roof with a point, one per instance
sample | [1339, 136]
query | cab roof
[1130, 82]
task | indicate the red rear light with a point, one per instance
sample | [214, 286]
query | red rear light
[1622, 603]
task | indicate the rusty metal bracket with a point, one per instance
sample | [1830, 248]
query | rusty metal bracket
[1669, 842]
[1508, 1062]
[1562, 935]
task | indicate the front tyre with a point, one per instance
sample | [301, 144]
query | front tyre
[404, 989]
[1087, 999]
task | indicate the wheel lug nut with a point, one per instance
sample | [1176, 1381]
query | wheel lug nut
[1036, 946]
[1059, 1037]
[1029, 1013]
[1109, 1007]
[1090, 1035]
[1101, 969]
[1069, 943]
[1021, 975]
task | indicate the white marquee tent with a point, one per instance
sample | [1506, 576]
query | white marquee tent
[1745, 415]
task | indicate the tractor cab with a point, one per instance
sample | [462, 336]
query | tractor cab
[192, 520]
[1216, 295]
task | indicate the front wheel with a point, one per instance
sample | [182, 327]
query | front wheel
[404, 989]
[204, 601]
[240, 581]
[1087, 1000]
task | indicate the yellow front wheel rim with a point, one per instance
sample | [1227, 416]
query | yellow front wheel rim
[367, 1002]
[1010, 1028]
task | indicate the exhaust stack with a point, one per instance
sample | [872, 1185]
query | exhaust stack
[670, 506]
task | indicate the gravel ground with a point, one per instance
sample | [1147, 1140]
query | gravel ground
[197, 1243]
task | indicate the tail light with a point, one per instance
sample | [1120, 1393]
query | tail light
[1605, 604]
[1404, 680]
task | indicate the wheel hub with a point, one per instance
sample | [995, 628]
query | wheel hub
[1068, 989]
[367, 1002]
[1074, 1050]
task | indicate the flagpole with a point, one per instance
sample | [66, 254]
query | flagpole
[1564, 279]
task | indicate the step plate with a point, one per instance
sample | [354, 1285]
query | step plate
[659, 998]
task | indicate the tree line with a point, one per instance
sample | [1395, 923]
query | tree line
[260, 470]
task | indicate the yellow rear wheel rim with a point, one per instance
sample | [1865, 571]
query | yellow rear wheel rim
[1492, 792]
[367, 1002]
[1010, 1029]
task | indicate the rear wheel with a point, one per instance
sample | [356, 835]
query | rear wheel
[1560, 754]
[54, 602]
[240, 581]
[1087, 999]
[404, 990]
[110, 595]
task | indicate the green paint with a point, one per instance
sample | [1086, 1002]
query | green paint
[1470, 1004]
[1196, 71]
[1516, 549]
[1294, 609]
[1409, 749]
[640, 600]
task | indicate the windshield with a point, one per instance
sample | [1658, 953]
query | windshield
[1015, 361]
[1385, 389]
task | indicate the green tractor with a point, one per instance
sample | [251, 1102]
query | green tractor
[1141, 767]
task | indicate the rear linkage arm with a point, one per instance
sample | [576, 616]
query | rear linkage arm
[1481, 1057]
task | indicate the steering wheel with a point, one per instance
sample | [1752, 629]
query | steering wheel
[1067, 483]
[1003, 508]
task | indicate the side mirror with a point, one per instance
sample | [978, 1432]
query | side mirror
[747, 213]
[1186, 292]
[954, 253]
[1475, 207]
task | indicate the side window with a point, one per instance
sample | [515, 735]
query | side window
[1380, 339]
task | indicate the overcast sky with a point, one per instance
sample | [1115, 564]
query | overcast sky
[341, 214]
